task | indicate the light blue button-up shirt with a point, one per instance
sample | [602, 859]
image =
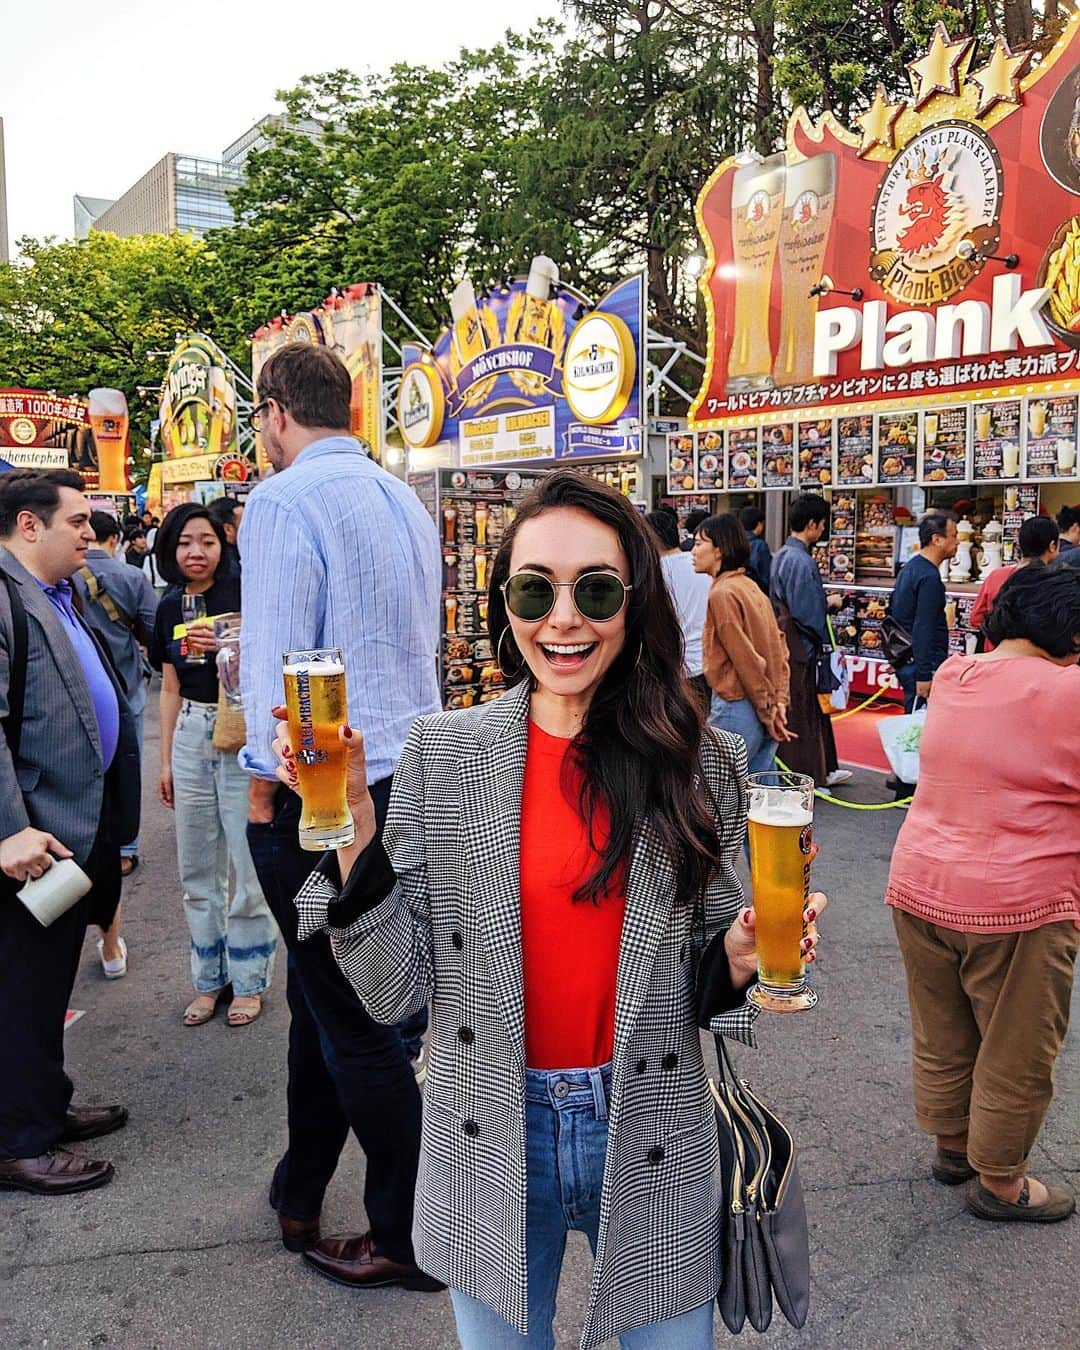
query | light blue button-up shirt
[339, 553]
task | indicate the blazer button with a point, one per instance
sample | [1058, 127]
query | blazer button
[641, 1066]
[669, 1061]
[656, 1155]
[471, 1128]
[457, 940]
[466, 1035]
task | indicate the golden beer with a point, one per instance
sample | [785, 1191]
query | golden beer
[757, 206]
[809, 197]
[781, 816]
[317, 709]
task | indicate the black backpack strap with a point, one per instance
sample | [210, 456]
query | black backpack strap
[16, 667]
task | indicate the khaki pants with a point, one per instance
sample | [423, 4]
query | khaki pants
[988, 1015]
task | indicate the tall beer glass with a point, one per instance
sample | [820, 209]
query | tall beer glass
[809, 196]
[317, 709]
[781, 814]
[757, 205]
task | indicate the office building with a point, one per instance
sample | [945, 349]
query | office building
[181, 192]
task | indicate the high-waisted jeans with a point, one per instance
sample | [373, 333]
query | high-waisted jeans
[229, 942]
[566, 1127]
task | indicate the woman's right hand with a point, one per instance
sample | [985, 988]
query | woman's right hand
[201, 639]
[778, 727]
[165, 789]
[357, 796]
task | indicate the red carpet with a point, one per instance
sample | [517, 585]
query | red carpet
[857, 741]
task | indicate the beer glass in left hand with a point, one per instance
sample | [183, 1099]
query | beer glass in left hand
[317, 709]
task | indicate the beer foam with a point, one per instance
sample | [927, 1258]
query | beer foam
[316, 668]
[778, 808]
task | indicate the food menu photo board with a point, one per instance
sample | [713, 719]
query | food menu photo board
[896, 447]
[1050, 437]
[743, 459]
[944, 444]
[681, 462]
[855, 451]
[1021, 501]
[815, 455]
[996, 440]
[778, 457]
[710, 461]
[842, 537]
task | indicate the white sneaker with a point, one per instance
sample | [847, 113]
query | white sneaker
[115, 969]
[837, 777]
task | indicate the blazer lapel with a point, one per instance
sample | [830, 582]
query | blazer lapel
[650, 891]
[59, 644]
[491, 783]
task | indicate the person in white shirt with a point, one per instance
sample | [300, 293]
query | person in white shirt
[689, 592]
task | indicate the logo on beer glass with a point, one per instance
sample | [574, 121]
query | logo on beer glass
[306, 751]
[806, 209]
[806, 839]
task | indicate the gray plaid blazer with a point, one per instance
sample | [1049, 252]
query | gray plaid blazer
[449, 934]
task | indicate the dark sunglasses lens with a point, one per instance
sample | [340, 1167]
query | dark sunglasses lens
[529, 596]
[599, 595]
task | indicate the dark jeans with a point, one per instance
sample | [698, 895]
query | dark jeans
[37, 974]
[906, 678]
[344, 1068]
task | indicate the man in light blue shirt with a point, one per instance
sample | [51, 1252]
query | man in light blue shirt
[336, 553]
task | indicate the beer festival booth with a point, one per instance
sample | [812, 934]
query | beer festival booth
[893, 320]
[528, 374]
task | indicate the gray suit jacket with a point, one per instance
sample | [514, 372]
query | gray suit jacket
[57, 783]
[450, 933]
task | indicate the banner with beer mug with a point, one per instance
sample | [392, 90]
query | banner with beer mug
[928, 256]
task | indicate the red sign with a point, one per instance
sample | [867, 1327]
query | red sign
[39, 430]
[862, 271]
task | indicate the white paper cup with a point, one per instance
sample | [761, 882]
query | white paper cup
[55, 891]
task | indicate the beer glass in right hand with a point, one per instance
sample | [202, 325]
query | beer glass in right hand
[317, 709]
[781, 809]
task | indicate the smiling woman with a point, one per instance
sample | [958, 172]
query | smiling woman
[551, 860]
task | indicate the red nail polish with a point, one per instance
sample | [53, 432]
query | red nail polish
[348, 733]
[811, 915]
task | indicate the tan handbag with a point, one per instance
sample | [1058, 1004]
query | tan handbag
[230, 733]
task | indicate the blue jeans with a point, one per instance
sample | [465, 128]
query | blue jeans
[229, 942]
[566, 1129]
[740, 717]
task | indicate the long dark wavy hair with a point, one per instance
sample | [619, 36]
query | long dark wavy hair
[639, 747]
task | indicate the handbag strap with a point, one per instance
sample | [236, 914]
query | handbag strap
[16, 668]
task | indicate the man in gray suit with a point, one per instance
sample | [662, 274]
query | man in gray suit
[69, 787]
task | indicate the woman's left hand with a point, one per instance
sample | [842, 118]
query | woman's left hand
[740, 941]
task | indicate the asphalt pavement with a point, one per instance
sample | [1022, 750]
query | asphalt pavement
[182, 1249]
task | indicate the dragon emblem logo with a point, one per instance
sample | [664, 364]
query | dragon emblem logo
[944, 187]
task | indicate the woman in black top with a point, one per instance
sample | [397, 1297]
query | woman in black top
[231, 944]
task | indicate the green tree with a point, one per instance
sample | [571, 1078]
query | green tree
[78, 314]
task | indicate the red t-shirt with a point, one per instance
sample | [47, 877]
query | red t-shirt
[569, 948]
[988, 593]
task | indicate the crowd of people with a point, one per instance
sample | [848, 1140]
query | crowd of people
[534, 874]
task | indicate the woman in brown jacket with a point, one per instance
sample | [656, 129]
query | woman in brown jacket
[745, 657]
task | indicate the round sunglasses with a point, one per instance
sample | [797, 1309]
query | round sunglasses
[598, 596]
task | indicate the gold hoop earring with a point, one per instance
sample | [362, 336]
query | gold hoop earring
[507, 674]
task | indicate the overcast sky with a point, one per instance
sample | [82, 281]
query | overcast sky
[94, 94]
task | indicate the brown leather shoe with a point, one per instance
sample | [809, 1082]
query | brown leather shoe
[298, 1235]
[88, 1122]
[55, 1173]
[351, 1259]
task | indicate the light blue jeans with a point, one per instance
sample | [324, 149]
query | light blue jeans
[566, 1130]
[741, 717]
[229, 943]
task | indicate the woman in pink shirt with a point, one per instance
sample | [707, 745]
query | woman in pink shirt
[985, 890]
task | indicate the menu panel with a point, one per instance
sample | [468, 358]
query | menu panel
[816, 470]
[681, 462]
[945, 433]
[855, 465]
[996, 442]
[778, 456]
[896, 449]
[744, 459]
[710, 461]
[1050, 437]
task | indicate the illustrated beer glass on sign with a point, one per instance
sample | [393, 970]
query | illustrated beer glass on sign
[781, 809]
[809, 198]
[317, 710]
[757, 204]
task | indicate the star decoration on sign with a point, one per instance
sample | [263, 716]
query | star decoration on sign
[941, 69]
[999, 79]
[878, 123]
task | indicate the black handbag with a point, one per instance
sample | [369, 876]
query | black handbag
[896, 644]
[764, 1236]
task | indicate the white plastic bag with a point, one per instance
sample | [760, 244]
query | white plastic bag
[840, 695]
[900, 737]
